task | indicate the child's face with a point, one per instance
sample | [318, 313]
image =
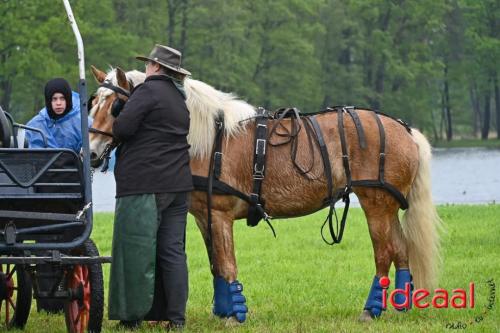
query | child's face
[58, 103]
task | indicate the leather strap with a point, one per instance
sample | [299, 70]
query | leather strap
[291, 136]
[325, 156]
[97, 131]
[343, 144]
[201, 184]
[219, 126]
[359, 126]
[259, 162]
[381, 164]
[108, 84]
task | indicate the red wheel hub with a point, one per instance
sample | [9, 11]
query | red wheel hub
[79, 308]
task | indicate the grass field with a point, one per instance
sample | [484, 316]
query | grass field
[296, 283]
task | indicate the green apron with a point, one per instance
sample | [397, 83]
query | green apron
[132, 279]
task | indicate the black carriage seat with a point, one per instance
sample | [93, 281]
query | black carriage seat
[39, 181]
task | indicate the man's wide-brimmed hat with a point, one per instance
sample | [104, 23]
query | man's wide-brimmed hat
[167, 57]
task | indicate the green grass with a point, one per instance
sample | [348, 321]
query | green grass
[467, 143]
[296, 283]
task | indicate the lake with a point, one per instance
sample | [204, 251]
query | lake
[459, 176]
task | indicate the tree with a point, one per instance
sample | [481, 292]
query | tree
[483, 54]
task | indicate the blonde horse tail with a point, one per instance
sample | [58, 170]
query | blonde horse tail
[421, 223]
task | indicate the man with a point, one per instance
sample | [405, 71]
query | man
[59, 120]
[149, 278]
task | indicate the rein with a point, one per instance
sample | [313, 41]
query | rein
[314, 135]
[292, 135]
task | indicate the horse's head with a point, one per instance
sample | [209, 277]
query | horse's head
[113, 91]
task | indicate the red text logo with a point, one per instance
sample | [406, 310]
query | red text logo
[422, 298]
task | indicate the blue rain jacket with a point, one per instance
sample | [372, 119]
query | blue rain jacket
[61, 133]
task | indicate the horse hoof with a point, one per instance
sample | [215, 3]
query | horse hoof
[365, 317]
[228, 322]
[232, 322]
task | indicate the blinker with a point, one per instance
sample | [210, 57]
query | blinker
[117, 106]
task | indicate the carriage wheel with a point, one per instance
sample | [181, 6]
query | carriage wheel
[85, 310]
[15, 295]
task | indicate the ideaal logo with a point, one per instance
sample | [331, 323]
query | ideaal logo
[479, 318]
[460, 299]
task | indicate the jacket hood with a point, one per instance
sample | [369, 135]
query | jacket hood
[75, 100]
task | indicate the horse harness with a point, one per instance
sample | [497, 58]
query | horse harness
[116, 108]
[256, 211]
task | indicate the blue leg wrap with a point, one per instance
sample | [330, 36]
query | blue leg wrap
[403, 277]
[374, 302]
[228, 299]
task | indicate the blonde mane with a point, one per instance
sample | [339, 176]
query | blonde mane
[205, 103]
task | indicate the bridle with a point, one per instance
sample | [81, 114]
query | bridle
[116, 107]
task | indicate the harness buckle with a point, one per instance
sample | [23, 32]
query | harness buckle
[219, 121]
[347, 191]
[254, 198]
[258, 173]
[267, 217]
[262, 112]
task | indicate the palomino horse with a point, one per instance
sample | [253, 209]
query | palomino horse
[412, 245]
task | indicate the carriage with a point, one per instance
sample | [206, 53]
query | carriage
[45, 224]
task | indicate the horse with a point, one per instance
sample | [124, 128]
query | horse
[413, 244]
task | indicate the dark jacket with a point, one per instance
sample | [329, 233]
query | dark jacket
[153, 128]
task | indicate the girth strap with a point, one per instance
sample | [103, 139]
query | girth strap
[259, 165]
[215, 163]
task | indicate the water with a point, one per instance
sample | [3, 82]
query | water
[459, 176]
[466, 175]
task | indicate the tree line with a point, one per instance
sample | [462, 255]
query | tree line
[434, 64]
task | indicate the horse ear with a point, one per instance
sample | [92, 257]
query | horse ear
[122, 79]
[99, 75]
